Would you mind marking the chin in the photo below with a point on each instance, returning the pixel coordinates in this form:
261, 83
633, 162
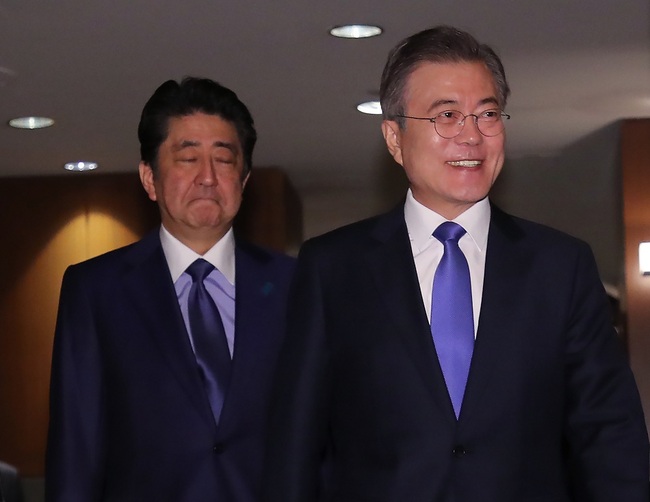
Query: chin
472, 197
208, 219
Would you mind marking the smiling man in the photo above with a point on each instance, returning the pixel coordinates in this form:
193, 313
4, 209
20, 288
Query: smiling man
164, 349
447, 351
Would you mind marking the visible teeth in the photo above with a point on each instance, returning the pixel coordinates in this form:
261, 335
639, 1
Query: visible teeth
465, 163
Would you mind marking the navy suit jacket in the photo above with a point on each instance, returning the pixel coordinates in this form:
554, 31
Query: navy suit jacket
362, 414
129, 418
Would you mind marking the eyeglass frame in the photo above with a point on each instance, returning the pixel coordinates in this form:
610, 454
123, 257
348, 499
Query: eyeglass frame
502, 115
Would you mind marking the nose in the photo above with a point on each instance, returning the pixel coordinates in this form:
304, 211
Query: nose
206, 174
470, 133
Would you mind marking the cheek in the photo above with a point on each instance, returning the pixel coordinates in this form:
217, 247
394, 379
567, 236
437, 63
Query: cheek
498, 155
231, 192
423, 148
434, 147
173, 190
497, 144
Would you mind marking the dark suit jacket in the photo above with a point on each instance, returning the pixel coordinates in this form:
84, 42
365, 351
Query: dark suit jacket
551, 411
129, 418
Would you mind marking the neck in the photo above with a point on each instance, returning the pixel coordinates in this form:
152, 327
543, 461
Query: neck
198, 241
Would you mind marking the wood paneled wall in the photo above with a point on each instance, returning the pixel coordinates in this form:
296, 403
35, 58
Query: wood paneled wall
635, 166
271, 212
50, 223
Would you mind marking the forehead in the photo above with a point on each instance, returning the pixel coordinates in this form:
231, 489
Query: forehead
201, 128
450, 82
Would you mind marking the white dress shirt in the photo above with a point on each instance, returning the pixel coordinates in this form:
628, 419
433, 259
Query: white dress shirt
421, 222
220, 283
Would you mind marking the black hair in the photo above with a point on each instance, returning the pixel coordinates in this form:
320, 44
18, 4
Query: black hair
193, 95
441, 44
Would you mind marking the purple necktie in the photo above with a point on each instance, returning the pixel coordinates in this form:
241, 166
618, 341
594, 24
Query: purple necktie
209, 337
452, 318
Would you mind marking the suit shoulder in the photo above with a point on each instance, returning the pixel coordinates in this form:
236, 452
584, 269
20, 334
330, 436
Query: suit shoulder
352, 236
107, 264
537, 233
265, 256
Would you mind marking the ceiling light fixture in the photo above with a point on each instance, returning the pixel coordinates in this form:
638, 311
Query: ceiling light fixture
370, 107
80, 166
31, 122
356, 31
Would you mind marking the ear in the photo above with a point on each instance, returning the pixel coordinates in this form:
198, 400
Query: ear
393, 137
146, 178
245, 180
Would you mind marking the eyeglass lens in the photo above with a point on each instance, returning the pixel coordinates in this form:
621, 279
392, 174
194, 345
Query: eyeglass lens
449, 124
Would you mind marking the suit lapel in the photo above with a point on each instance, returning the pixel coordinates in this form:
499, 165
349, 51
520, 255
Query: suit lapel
149, 286
256, 311
504, 287
394, 271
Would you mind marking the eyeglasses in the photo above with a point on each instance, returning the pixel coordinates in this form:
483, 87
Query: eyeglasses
450, 123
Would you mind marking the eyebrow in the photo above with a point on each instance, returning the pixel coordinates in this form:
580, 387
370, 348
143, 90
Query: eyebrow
217, 144
441, 102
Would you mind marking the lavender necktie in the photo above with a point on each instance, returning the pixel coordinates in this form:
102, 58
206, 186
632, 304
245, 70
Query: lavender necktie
209, 337
452, 319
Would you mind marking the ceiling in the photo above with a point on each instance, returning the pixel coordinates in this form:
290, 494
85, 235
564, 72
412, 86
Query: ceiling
574, 67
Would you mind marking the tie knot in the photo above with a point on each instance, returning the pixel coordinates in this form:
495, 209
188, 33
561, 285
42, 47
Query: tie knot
199, 270
449, 231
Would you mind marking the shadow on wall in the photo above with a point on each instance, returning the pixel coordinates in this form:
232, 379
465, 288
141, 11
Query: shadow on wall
353, 196
392, 183
577, 191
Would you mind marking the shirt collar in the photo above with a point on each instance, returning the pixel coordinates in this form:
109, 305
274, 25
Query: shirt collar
179, 256
422, 221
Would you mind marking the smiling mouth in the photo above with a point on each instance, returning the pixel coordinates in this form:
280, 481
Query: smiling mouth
465, 163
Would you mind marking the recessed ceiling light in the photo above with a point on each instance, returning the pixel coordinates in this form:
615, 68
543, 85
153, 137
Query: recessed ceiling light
31, 122
356, 31
80, 166
370, 107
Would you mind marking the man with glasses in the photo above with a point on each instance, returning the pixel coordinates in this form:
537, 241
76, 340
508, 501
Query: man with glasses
447, 351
